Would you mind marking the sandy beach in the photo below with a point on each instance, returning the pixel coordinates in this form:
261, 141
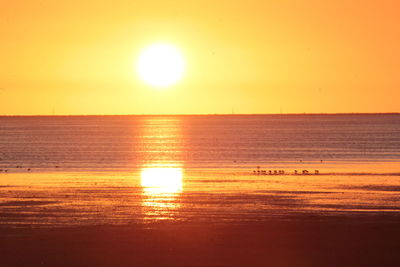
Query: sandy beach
338, 241
215, 218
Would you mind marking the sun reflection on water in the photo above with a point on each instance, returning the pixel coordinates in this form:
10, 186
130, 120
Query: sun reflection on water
162, 180
161, 190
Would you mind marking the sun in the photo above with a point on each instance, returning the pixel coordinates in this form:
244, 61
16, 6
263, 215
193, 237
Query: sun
160, 65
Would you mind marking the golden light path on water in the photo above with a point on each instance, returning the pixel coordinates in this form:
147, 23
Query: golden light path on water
162, 180
161, 175
161, 190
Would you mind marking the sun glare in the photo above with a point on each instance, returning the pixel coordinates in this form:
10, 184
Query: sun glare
160, 65
162, 180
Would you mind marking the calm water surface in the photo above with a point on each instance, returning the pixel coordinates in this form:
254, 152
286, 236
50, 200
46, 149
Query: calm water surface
128, 169
126, 142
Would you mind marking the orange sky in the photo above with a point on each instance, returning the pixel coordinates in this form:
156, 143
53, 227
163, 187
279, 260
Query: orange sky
78, 57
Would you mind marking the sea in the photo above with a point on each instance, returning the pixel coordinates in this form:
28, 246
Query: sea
85, 170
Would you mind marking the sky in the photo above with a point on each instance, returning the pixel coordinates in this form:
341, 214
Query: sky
305, 56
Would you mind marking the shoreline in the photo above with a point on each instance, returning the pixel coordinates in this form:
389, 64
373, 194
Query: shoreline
327, 167
62, 199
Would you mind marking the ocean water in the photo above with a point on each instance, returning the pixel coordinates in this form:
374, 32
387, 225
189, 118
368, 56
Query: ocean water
129, 142
85, 170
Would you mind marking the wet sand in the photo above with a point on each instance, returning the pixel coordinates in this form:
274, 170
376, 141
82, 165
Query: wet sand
298, 241
209, 219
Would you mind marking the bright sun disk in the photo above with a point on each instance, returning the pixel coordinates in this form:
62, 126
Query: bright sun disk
160, 65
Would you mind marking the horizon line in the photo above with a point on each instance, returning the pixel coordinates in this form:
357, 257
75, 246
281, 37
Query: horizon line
201, 114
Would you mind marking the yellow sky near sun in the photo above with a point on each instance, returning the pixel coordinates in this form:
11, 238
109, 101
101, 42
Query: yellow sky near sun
78, 57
